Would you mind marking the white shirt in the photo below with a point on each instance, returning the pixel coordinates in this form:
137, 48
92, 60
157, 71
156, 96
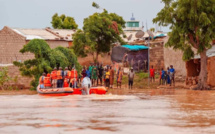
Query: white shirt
85, 82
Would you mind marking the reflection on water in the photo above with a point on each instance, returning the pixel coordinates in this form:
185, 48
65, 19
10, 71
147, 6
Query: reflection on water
152, 111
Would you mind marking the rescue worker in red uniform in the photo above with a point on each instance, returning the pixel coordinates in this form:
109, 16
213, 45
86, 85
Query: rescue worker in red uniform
54, 78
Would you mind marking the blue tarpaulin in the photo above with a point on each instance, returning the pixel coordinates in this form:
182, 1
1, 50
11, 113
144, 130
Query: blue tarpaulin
160, 35
135, 47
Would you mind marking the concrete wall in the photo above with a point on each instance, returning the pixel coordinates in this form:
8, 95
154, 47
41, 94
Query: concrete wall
56, 43
174, 57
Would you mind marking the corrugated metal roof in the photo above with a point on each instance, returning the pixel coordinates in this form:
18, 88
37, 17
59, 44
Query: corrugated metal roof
210, 53
66, 34
46, 34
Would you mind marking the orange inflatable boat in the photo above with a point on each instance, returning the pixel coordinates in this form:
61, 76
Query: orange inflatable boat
70, 91
55, 91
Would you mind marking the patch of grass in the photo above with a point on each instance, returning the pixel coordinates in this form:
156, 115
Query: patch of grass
140, 81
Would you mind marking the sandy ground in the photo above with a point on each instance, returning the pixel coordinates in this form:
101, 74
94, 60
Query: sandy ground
18, 92
138, 87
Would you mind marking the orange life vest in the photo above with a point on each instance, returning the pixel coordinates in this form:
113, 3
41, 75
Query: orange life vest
40, 80
47, 82
68, 75
74, 74
73, 81
54, 75
59, 75
66, 83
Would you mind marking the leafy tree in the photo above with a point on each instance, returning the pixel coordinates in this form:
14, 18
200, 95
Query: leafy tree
100, 31
71, 57
63, 22
152, 29
45, 59
192, 25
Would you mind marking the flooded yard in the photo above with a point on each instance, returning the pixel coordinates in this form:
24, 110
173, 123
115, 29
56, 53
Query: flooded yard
132, 112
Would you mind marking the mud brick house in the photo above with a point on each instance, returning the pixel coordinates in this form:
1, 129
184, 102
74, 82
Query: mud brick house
13, 39
193, 68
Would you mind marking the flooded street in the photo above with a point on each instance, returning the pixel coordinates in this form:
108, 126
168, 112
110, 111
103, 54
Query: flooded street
153, 111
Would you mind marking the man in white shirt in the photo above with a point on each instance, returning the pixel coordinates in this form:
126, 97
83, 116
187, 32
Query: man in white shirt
86, 84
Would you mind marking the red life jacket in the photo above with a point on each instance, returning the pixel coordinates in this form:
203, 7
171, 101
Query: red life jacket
74, 73
54, 75
47, 82
66, 83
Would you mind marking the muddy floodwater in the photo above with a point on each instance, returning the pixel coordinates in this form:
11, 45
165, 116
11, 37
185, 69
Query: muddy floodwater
132, 112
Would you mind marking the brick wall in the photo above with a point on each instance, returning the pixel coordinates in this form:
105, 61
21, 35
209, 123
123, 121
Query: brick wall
10, 44
104, 58
157, 56
13, 72
211, 72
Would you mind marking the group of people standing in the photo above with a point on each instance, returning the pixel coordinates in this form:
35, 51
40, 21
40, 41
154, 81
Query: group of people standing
107, 74
59, 78
166, 77
95, 73
99, 74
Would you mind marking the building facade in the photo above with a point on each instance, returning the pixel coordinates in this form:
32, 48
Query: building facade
13, 39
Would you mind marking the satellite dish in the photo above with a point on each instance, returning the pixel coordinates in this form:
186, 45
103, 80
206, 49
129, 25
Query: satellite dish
150, 34
129, 37
139, 34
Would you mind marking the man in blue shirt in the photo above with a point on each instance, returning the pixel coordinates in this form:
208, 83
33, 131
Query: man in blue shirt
172, 75
88, 72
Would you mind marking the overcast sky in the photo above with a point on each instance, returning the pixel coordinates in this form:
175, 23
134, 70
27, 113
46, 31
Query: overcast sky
38, 13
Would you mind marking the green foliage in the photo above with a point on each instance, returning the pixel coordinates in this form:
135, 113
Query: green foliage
4, 78
45, 59
100, 31
191, 22
80, 44
95, 5
63, 22
152, 29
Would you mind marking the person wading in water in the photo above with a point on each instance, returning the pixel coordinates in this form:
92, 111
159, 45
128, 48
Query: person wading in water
86, 84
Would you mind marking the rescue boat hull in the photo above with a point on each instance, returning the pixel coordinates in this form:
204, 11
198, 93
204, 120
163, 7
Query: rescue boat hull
70, 91
55, 91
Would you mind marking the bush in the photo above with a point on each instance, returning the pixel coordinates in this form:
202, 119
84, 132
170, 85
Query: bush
4, 78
